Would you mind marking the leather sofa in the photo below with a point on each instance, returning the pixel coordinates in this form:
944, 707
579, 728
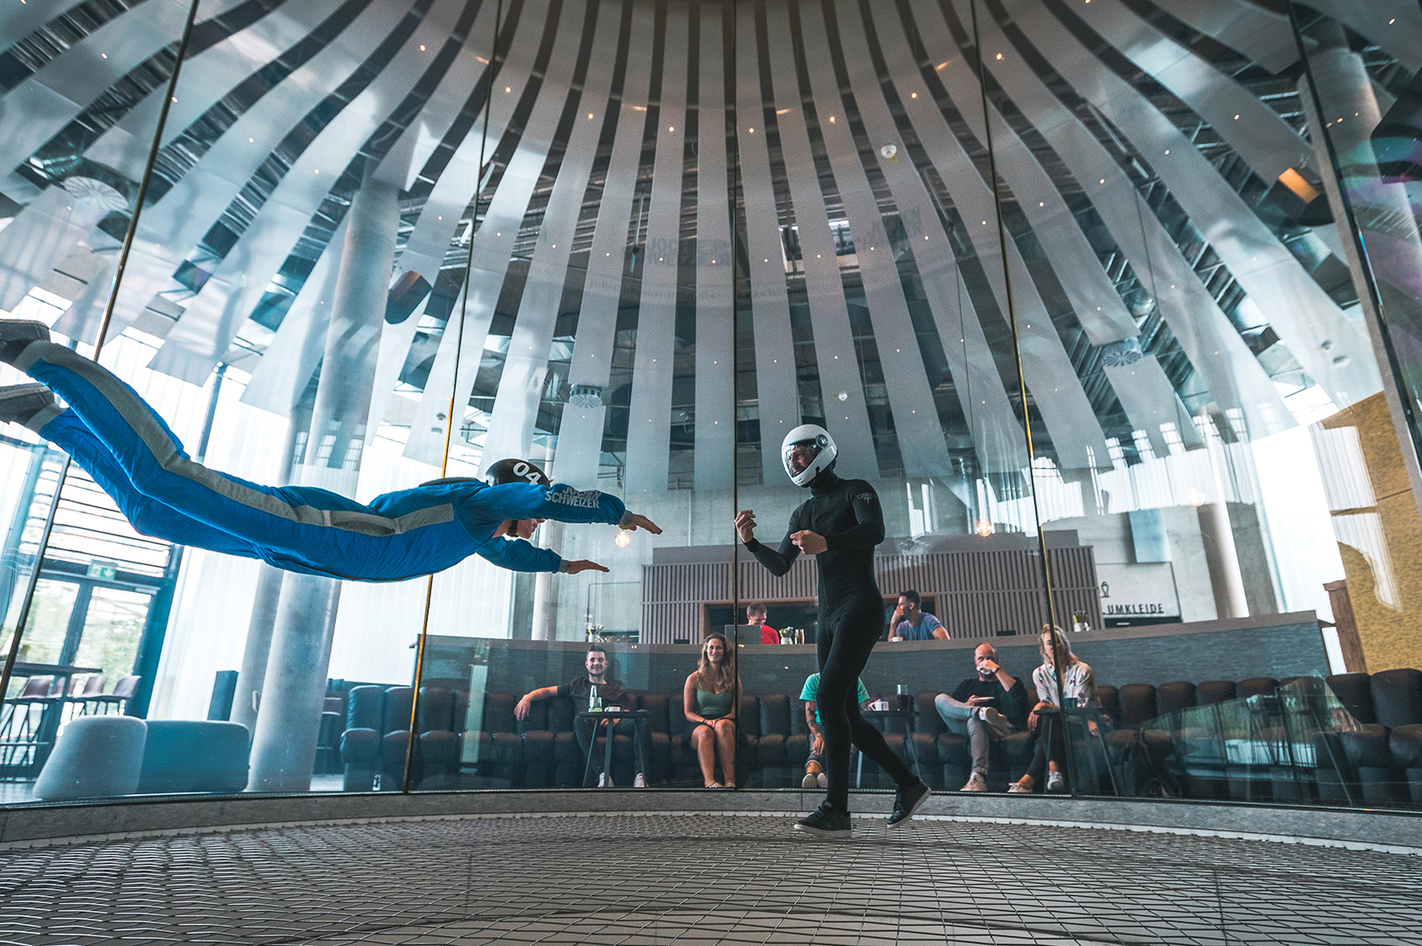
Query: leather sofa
542, 751
1217, 737
1379, 762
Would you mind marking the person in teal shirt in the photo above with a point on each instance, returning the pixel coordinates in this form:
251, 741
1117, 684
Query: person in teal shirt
815, 765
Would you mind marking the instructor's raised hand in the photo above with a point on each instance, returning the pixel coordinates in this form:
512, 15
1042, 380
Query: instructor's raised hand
583, 565
745, 525
635, 522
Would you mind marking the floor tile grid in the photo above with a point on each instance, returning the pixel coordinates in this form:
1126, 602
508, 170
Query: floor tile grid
757, 849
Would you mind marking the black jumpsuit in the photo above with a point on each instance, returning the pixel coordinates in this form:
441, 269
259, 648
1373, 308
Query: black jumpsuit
847, 514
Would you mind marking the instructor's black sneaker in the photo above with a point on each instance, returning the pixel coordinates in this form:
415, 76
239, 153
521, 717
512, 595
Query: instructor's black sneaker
825, 822
907, 801
22, 403
16, 334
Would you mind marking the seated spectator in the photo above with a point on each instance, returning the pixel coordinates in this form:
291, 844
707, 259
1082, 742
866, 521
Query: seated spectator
815, 765
755, 614
611, 694
983, 708
910, 623
709, 698
1079, 684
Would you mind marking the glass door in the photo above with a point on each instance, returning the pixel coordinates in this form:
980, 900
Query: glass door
111, 630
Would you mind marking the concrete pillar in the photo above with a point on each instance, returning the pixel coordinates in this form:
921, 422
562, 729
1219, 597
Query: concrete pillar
545, 588
1345, 91
288, 723
267, 597
1221, 556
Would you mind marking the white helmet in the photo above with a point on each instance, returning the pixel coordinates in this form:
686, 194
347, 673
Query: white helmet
820, 442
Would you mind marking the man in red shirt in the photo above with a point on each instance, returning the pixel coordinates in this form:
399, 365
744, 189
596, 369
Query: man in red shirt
755, 614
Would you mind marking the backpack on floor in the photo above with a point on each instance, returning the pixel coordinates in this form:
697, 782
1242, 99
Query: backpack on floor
1144, 774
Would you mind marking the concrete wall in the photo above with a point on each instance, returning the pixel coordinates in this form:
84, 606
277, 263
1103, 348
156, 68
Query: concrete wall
1109, 535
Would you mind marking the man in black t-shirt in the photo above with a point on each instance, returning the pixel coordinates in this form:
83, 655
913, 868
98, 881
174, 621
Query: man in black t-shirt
985, 707
612, 694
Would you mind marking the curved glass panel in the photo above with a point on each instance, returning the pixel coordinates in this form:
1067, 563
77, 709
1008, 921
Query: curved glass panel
83, 90
1107, 308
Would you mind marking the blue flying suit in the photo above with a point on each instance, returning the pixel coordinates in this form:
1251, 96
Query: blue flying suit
131, 453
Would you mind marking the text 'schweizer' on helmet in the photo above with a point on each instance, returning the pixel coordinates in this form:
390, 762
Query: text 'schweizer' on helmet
514, 470
822, 446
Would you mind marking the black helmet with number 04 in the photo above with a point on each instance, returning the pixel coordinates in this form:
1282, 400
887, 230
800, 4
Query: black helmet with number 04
515, 471
822, 452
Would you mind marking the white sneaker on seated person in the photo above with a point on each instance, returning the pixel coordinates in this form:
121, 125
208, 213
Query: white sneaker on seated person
640, 781
1056, 782
976, 783
996, 723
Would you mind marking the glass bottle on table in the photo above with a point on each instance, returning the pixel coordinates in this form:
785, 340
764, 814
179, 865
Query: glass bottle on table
594, 700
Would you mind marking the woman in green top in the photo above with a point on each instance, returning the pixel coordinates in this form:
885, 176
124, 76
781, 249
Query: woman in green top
710, 701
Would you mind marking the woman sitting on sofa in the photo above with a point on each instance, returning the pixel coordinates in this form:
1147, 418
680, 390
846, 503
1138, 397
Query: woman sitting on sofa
710, 698
1044, 720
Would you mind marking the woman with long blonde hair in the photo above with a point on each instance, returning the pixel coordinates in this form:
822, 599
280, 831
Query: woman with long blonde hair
1079, 685
709, 699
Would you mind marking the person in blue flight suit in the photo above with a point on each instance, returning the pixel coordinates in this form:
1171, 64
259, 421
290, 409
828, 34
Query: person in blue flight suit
110, 431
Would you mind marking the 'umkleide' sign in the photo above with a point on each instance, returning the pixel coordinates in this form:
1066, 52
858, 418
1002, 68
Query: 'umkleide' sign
1137, 590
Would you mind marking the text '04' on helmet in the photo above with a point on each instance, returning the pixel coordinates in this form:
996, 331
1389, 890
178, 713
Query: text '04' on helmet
822, 452
515, 471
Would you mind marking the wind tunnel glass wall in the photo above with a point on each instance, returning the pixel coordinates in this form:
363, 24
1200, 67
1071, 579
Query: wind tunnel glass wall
1109, 298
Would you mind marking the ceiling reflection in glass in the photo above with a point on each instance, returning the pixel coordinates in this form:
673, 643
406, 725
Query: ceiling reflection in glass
674, 230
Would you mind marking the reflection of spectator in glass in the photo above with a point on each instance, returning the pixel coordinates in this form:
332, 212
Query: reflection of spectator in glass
709, 698
911, 623
1079, 685
611, 693
756, 614
815, 776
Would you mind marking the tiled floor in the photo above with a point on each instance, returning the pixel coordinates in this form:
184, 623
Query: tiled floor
687, 879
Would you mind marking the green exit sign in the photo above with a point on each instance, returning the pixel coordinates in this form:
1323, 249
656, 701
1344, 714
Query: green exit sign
103, 571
